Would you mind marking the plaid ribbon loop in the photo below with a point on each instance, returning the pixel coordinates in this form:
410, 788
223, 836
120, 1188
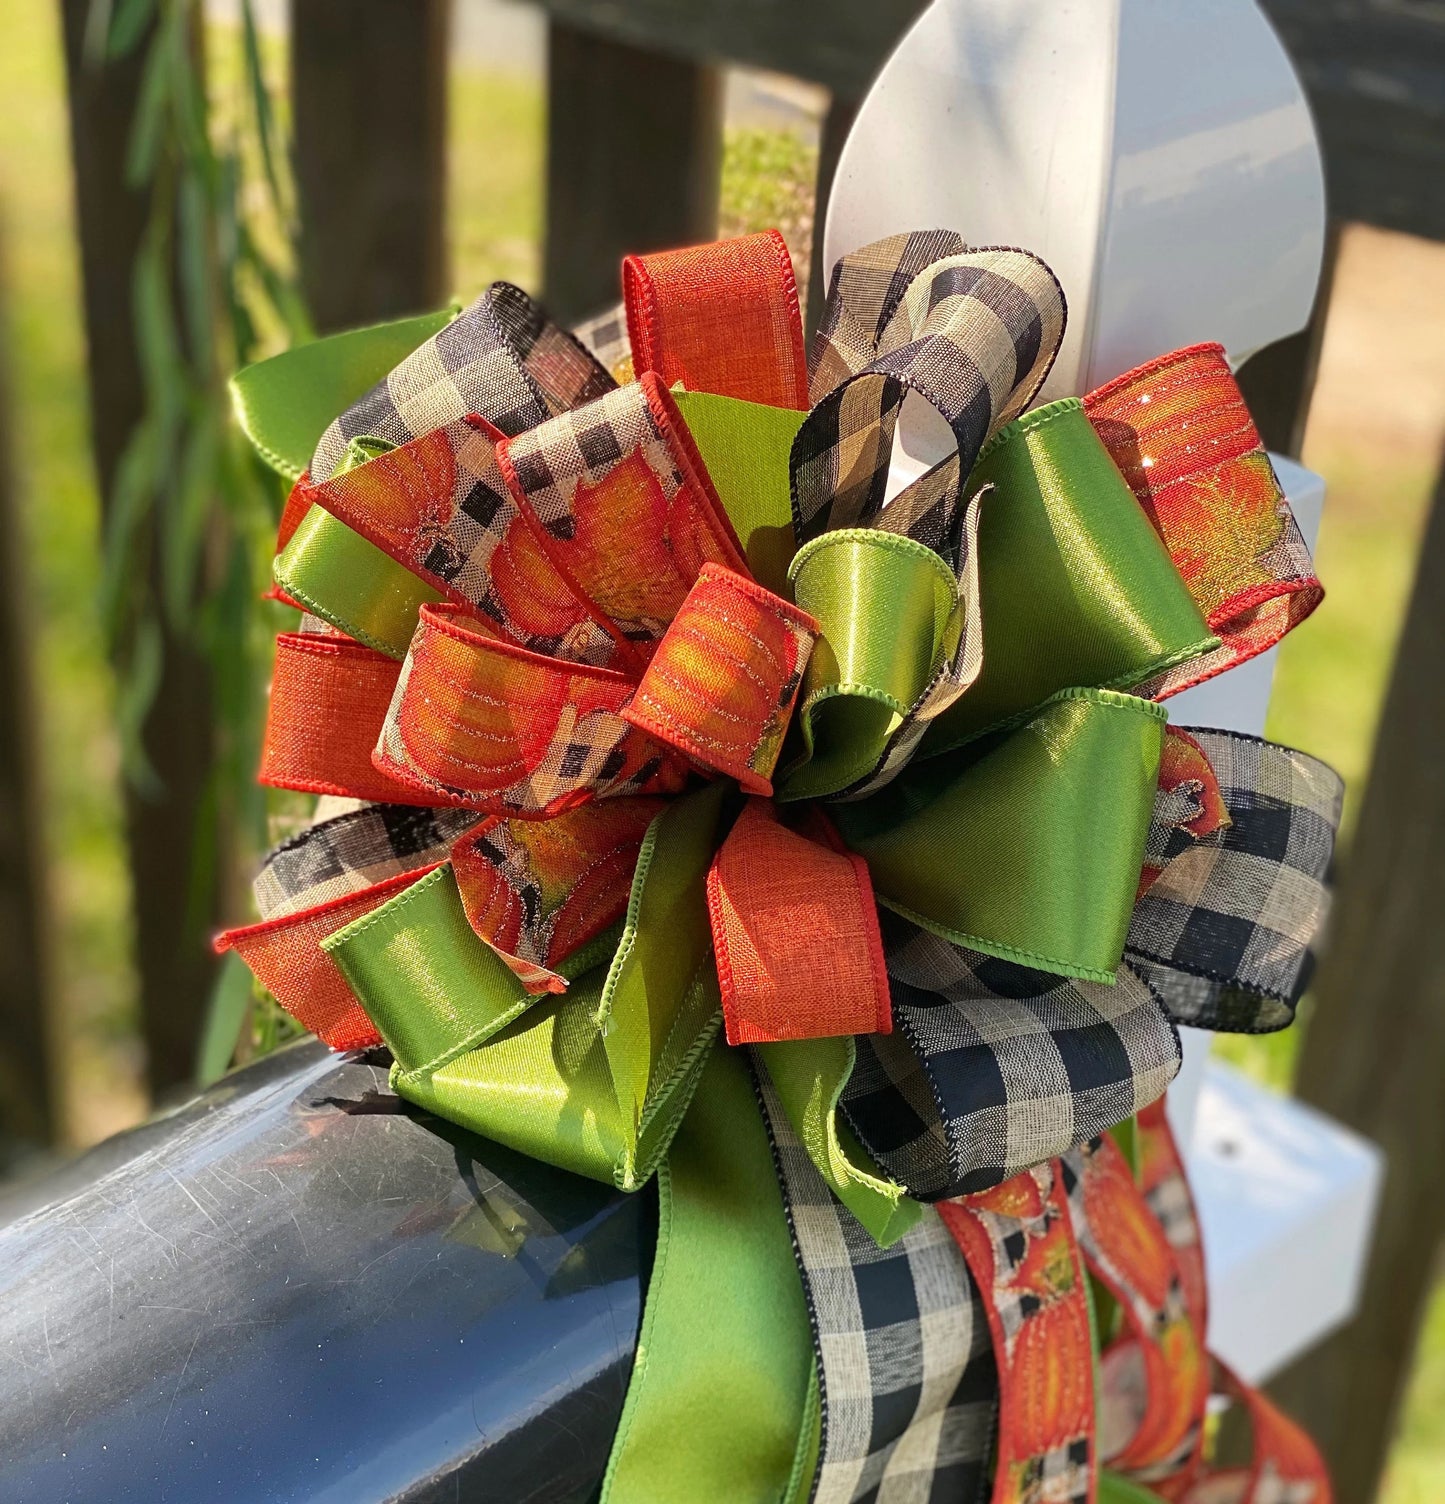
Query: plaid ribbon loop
972, 332
993, 1066
909, 1385
502, 359
958, 943
1225, 934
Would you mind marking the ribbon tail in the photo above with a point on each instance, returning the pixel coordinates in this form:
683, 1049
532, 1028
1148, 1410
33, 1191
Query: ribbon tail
718, 1409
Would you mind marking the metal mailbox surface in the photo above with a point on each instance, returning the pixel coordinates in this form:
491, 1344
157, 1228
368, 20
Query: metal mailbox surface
295, 1289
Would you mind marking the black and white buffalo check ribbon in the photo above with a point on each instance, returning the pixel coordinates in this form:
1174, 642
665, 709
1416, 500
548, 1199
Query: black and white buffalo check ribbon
972, 331
502, 358
1225, 935
908, 1384
354, 850
993, 1067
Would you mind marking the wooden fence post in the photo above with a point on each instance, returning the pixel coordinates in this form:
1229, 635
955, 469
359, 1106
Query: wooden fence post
368, 90
1374, 1052
29, 1116
165, 831
836, 124
634, 163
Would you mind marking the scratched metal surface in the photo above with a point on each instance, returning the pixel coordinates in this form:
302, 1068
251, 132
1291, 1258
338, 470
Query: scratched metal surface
294, 1290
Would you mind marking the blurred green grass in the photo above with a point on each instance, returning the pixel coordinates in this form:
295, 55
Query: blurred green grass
44, 345
1331, 676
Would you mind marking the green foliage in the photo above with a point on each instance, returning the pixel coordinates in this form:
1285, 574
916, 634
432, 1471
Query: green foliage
230, 1007
192, 512
767, 182
55, 491
1416, 1471
240, 1009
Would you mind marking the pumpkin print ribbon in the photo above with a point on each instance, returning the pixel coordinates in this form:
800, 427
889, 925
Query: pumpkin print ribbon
1131, 1428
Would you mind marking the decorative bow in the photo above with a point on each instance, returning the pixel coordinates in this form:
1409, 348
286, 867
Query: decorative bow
668, 715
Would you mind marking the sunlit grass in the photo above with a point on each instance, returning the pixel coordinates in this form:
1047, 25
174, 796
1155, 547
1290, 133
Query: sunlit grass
494, 181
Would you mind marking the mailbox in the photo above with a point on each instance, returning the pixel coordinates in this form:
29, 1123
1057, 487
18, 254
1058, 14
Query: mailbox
299, 1289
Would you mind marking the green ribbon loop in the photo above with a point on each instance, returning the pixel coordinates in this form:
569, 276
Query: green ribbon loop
720, 1408
347, 580
1031, 848
432, 988
809, 1076
286, 403
889, 612
660, 1008
746, 447
1115, 1488
1076, 587
594, 1080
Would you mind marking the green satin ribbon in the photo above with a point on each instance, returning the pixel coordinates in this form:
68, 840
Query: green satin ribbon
1114, 1488
286, 403
665, 955
594, 1080
348, 581
809, 1076
1031, 848
889, 613
1076, 587
723, 1399
746, 447
432, 988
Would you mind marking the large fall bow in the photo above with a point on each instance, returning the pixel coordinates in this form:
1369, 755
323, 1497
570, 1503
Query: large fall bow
655, 711
558, 629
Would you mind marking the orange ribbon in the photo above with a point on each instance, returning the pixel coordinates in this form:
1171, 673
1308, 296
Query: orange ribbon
1027, 1243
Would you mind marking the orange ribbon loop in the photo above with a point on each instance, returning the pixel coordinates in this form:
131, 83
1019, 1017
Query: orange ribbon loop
329, 698
286, 957
1179, 431
723, 682
479, 721
795, 933
720, 318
